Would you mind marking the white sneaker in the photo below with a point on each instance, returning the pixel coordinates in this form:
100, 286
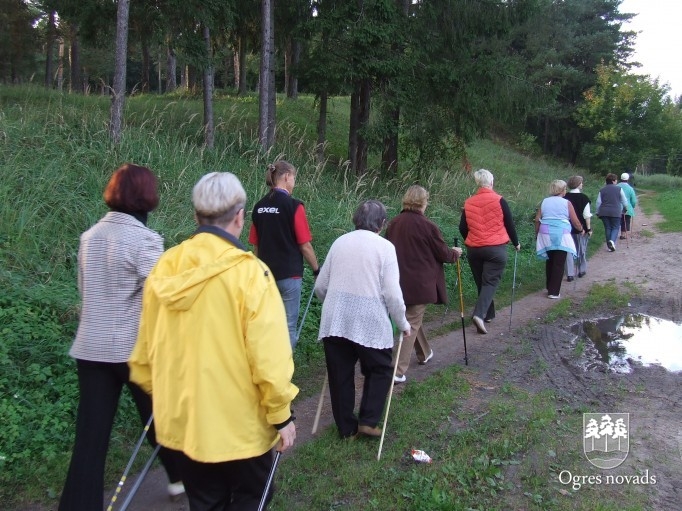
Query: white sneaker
478, 323
176, 490
399, 379
554, 297
423, 362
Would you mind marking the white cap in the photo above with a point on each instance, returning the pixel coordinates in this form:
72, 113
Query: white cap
624, 176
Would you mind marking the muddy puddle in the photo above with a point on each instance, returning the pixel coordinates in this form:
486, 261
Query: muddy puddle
618, 343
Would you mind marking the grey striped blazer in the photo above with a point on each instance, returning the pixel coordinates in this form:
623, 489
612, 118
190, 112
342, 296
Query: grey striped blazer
114, 258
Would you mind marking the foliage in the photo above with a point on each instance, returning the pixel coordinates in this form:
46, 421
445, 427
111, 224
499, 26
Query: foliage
631, 120
18, 41
562, 44
440, 72
37, 384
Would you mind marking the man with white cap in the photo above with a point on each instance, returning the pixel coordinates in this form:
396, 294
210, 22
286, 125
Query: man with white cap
631, 196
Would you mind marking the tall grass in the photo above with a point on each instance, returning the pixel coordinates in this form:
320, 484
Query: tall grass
662, 195
55, 158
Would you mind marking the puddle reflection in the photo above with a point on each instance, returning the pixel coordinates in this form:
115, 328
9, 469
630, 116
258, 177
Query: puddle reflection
613, 342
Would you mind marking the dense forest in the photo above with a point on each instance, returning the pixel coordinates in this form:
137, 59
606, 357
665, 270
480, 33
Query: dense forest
424, 77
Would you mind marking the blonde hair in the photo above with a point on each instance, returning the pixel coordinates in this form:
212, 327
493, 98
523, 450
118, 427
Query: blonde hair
557, 187
276, 170
217, 198
484, 178
416, 197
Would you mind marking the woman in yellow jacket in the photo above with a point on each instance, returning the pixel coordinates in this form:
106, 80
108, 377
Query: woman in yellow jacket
213, 350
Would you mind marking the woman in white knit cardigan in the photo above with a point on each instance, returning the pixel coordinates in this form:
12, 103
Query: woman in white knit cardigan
359, 285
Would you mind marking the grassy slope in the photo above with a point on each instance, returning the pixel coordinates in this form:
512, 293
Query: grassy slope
55, 161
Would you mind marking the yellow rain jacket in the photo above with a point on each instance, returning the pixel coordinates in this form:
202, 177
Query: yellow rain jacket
213, 349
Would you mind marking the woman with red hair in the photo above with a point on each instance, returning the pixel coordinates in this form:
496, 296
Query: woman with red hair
114, 258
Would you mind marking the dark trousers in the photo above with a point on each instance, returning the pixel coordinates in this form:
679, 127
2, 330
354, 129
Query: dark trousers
227, 486
625, 221
341, 356
554, 270
100, 385
487, 266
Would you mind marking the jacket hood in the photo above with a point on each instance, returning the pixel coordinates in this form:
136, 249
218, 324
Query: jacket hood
184, 271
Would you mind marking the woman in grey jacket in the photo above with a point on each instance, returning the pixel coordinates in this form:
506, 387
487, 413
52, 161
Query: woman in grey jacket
611, 202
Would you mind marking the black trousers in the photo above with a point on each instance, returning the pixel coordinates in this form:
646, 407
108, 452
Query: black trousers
554, 270
100, 385
375, 364
227, 486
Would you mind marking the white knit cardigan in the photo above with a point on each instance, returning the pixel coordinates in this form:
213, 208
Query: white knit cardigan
359, 285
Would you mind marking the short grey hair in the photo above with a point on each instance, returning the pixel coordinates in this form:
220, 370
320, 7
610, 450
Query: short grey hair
484, 178
370, 216
217, 198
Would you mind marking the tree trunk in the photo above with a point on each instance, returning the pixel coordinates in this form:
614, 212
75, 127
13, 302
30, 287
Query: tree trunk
359, 118
321, 127
159, 76
60, 66
184, 80
353, 126
49, 50
192, 78
294, 53
364, 107
389, 156
171, 70
236, 65
266, 86
209, 128
146, 65
287, 65
119, 86
242, 67
76, 84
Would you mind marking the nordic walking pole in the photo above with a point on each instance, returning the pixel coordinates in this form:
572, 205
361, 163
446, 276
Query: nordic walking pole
461, 307
576, 261
271, 476
136, 450
511, 306
319, 404
305, 313
140, 478
390, 395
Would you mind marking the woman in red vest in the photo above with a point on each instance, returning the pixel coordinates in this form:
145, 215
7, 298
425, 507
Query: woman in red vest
486, 226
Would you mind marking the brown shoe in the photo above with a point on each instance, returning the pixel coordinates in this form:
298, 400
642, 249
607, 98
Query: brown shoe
369, 431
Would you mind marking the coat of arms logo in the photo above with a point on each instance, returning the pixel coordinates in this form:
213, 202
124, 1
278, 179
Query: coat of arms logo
606, 439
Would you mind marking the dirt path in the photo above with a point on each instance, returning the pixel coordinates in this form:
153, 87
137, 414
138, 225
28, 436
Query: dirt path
650, 261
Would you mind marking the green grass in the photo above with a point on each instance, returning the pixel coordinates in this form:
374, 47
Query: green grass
660, 194
609, 294
55, 158
506, 453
